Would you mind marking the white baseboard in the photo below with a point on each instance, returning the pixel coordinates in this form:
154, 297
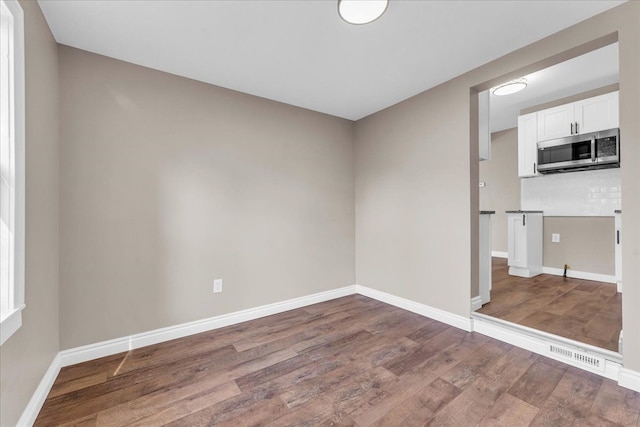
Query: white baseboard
118, 345
580, 274
499, 254
34, 406
476, 303
451, 319
629, 379
619, 286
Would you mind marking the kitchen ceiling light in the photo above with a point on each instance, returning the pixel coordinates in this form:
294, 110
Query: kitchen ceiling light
361, 11
511, 87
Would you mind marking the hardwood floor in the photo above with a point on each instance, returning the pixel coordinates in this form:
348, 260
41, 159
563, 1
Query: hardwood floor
350, 361
582, 310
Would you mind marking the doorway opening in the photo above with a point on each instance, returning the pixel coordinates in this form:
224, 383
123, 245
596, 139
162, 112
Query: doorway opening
572, 289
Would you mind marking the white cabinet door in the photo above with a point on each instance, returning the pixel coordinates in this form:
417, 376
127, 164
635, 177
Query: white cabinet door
556, 122
525, 243
517, 245
485, 258
527, 145
589, 115
618, 250
597, 113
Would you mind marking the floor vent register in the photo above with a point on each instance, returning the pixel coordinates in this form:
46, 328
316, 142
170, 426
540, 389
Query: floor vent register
578, 357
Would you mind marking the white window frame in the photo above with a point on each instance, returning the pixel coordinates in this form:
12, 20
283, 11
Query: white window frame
11, 313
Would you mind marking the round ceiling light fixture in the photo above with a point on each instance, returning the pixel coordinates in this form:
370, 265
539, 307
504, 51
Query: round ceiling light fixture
361, 11
510, 87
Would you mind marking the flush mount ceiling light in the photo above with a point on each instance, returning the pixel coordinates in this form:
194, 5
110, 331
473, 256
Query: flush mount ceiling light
361, 11
510, 87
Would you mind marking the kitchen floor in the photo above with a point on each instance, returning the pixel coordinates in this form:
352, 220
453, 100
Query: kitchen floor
581, 310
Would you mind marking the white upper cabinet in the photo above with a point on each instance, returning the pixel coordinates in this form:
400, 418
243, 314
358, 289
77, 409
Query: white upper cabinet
556, 122
597, 113
527, 145
589, 115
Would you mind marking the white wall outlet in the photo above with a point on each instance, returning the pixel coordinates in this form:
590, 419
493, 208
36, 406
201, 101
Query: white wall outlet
483, 184
555, 238
217, 286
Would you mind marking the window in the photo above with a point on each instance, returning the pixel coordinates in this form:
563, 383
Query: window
11, 168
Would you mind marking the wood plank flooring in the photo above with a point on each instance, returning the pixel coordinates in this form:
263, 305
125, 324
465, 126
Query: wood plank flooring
582, 310
350, 361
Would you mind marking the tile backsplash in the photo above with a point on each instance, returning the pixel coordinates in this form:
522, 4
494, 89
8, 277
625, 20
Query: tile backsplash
586, 193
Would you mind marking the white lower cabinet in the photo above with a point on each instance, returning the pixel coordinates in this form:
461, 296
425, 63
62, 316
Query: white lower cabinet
525, 243
618, 250
485, 256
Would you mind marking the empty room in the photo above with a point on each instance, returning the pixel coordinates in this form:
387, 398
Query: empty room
320, 212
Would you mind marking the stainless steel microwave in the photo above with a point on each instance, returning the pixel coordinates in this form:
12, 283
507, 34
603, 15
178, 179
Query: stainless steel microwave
597, 150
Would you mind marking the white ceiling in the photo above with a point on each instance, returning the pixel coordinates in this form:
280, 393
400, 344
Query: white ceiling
590, 71
300, 52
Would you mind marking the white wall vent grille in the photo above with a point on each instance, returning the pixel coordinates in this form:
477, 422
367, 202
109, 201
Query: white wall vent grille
579, 357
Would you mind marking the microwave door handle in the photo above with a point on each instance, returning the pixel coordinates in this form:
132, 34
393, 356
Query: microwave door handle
593, 148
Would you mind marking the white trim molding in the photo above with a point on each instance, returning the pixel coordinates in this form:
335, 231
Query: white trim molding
499, 254
34, 406
11, 324
13, 317
119, 345
607, 278
476, 303
451, 319
629, 379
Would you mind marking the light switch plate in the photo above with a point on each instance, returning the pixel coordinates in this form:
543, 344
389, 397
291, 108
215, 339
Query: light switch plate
217, 286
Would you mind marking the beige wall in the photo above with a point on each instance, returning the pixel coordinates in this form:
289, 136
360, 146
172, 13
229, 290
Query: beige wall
25, 357
577, 97
586, 243
413, 199
168, 183
416, 225
502, 189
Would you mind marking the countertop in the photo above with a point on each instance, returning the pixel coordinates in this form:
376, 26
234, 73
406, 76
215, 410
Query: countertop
487, 212
520, 212
618, 211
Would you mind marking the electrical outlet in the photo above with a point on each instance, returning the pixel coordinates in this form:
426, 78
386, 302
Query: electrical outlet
217, 286
555, 238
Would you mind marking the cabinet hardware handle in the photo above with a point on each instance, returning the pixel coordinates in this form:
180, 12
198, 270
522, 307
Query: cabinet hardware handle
524, 221
571, 128
576, 128
593, 148
618, 237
